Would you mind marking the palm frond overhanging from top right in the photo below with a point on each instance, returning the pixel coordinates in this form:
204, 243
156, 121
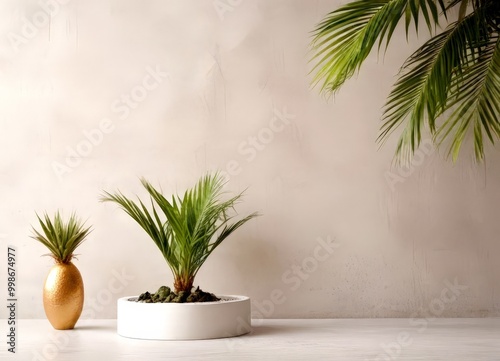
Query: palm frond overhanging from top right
455, 75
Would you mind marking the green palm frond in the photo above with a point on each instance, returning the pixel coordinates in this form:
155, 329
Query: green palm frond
421, 94
475, 96
455, 72
60, 237
447, 72
345, 38
189, 228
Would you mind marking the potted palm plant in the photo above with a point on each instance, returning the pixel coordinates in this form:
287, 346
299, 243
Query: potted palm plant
186, 229
63, 288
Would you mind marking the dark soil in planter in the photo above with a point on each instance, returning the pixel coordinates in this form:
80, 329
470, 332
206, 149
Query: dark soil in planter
166, 295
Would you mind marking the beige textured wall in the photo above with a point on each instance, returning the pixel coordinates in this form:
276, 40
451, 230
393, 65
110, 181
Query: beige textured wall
107, 91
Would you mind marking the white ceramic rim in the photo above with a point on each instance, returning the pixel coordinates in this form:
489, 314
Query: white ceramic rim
228, 317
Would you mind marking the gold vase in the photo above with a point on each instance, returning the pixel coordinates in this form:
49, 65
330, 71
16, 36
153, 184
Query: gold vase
63, 296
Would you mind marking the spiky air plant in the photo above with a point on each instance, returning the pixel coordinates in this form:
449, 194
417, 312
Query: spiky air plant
186, 229
63, 291
60, 237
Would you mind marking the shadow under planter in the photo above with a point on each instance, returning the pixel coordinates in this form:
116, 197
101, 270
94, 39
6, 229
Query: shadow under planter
228, 317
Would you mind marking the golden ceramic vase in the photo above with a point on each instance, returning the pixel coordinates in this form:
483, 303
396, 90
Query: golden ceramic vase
63, 296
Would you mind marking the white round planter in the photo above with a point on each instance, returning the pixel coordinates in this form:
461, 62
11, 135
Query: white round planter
184, 321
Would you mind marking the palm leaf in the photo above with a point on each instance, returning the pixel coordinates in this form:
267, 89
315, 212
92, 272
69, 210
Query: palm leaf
187, 226
347, 35
455, 72
421, 94
475, 96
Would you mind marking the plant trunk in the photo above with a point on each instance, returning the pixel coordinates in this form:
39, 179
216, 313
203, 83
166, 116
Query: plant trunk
183, 284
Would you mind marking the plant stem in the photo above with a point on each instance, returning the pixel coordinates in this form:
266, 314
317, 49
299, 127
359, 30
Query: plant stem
183, 283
